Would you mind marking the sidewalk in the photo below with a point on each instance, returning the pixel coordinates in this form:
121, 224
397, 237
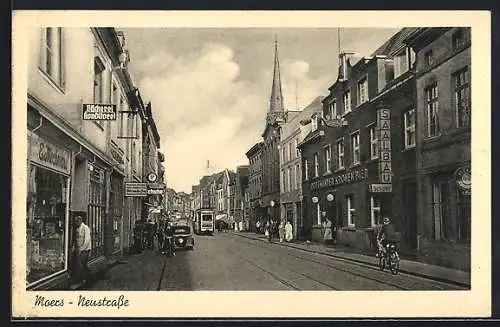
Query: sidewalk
438, 273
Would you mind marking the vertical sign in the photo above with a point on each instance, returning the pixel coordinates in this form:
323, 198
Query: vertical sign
384, 133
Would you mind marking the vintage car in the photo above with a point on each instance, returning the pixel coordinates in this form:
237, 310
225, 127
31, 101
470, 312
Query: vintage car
183, 236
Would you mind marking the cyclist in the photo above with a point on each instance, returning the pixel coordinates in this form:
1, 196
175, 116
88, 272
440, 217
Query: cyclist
386, 235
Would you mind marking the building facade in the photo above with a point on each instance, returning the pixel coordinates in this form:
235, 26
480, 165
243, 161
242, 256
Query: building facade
239, 186
254, 191
359, 158
290, 165
78, 166
443, 68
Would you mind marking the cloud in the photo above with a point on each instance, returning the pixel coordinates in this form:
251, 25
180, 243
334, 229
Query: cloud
206, 111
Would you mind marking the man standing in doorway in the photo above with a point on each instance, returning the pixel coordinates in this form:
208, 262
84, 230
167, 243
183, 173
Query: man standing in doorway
81, 250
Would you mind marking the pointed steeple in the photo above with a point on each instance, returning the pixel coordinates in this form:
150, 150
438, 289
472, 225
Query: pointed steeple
276, 101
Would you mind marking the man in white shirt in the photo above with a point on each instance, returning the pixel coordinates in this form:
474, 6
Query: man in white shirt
82, 249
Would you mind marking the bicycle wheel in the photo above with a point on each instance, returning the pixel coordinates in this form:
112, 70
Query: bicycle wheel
381, 263
394, 263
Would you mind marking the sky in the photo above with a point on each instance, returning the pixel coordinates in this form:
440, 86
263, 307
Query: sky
210, 88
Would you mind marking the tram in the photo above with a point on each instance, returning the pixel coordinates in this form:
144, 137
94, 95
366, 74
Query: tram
204, 221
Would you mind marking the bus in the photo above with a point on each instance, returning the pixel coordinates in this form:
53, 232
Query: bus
204, 221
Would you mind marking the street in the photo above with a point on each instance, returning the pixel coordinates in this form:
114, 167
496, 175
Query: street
227, 261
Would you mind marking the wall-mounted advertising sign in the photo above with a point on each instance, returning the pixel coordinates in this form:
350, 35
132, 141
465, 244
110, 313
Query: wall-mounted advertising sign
384, 136
155, 188
136, 189
380, 188
463, 179
97, 111
351, 176
48, 154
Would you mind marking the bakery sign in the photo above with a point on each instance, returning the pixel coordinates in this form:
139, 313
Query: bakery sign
48, 154
384, 137
97, 111
351, 176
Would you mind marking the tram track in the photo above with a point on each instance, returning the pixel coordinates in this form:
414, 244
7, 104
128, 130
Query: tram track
398, 282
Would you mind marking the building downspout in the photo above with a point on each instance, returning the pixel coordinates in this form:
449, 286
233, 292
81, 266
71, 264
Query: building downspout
39, 125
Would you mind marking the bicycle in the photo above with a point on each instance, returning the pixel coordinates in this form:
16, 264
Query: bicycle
390, 258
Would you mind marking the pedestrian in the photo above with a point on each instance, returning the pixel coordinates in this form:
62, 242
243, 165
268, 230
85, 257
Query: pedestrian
240, 227
257, 226
161, 238
288, 231
281, 231
81, 250
138, 237
327, 236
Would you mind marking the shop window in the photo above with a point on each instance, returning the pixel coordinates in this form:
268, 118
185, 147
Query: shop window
462, 98
409, 128
373, 142
351, 211
441, 210
355, 154
51, 55
347, 102
316, 165
362, 91
46, 223
340, 154
432, 111
375, 206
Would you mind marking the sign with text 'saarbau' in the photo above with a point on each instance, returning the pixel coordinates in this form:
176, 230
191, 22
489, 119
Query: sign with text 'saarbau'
99, 111
384, 137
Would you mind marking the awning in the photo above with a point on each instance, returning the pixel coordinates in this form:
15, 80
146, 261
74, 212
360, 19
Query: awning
221, 217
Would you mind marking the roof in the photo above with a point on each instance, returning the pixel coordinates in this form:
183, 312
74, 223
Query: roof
395, 43
254, 149
294, 124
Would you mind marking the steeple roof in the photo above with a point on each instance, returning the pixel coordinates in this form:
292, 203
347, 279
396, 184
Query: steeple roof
276, 101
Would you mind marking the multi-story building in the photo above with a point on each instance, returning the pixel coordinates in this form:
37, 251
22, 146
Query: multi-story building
290, 165
363, 167
78, 166
270, 147
443, 136
254, 156
239, 185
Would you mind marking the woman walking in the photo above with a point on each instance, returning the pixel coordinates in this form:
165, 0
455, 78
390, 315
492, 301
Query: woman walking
288, 231
281, 231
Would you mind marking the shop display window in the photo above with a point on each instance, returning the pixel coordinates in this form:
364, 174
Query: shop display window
46, 224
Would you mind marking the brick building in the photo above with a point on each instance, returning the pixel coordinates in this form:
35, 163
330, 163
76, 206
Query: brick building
254, 191
354, 172
443, 66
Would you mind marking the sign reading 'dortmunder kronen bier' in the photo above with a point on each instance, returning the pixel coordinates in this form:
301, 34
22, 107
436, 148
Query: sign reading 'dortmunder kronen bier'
351, 176
384, 136
97, 111
136, 189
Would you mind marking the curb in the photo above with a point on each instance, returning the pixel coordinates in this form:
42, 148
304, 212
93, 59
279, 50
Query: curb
409, 272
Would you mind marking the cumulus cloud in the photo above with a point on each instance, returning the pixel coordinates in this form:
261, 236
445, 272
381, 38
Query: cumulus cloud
205, 111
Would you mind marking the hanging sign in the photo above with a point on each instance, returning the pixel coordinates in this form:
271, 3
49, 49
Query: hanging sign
384, 137
380, 188
133, 189
156, 188
97, 111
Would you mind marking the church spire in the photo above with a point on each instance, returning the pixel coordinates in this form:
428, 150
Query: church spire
276, 101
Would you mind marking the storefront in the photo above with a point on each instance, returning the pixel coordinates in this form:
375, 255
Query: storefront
47, 216
115, 235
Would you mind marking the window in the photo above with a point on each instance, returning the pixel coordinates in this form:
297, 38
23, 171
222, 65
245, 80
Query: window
332, 110
297, 151
441, 209
350, 211
98, 80
291, 183
290, 150
51, 55
457, 40
362, 91
283, 154
123, 117
297, 176
373, 142
355, 148
375, 210
340, 154
429, 59
283, 177
409, 121
96, 209
316, 165
314, 121
432, 110
462, 98
306, 169
328, 158
347, 102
